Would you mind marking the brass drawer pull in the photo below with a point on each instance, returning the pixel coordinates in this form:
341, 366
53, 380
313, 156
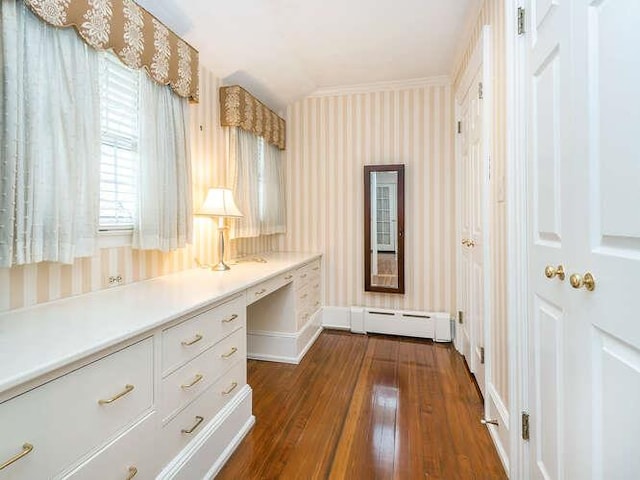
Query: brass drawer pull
127, 389
26, 450
227, 355
197, 378
288, 277
199, 420
261, 291
230, 389
196, 339
230, 319
133, 471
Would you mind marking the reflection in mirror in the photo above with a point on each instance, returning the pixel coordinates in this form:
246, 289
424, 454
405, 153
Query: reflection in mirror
384, 228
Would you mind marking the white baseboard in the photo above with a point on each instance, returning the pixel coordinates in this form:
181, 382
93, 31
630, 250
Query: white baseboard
336, 318
306, 342
222, 459
357, 320
216, 442
500, 434
283, 347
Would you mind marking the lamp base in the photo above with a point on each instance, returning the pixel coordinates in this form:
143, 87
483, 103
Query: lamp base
220, 267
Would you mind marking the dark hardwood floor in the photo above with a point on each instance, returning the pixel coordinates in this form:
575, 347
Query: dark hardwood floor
366, 407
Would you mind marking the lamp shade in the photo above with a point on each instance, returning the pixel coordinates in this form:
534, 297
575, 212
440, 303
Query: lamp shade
220, 203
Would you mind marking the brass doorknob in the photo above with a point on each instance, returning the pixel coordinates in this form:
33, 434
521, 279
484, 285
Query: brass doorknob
551, 272
471, 243
464, 241
587, 281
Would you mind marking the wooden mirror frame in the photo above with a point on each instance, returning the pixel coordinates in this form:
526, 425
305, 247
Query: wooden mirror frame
368, 169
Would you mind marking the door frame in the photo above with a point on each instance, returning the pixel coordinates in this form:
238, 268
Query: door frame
482, 54
516, 179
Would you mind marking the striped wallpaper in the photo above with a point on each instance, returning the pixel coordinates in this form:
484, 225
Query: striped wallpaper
32, 284
492, 13
330, 138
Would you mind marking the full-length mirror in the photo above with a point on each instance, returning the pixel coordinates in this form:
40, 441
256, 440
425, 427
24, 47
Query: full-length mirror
384, 228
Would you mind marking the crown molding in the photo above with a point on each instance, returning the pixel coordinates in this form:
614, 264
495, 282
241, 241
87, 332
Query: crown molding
470, 21
441, 80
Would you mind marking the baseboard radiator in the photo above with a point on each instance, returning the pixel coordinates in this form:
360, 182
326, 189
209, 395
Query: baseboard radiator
434, 325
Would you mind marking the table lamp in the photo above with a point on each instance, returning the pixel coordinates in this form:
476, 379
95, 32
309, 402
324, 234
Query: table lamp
219, 203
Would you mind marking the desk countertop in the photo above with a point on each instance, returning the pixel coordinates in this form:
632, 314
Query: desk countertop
38, 340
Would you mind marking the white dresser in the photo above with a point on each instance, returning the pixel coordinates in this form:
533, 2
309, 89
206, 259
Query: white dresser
147, 380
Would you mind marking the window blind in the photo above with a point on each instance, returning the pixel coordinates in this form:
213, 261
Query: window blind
119, 94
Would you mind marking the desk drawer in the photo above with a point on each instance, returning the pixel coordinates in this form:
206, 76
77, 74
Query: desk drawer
188, 339
63, 419
263, 289
189, 422
185, 384
133, 453
308, 274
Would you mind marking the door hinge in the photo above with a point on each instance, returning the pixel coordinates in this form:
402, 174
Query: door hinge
480, 92
525, 426
459, 126
460, 317
482, 355
521, 30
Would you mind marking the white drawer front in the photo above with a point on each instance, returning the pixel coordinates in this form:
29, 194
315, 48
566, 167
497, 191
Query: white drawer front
63, 419
308, 297
188, 339
288, 277
308, 274
263, 289
189, 422
132, 453
186, 383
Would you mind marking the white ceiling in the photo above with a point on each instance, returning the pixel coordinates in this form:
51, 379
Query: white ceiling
282, 50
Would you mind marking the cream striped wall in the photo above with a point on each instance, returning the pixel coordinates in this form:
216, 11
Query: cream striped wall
32, 284
330, 138
492, 13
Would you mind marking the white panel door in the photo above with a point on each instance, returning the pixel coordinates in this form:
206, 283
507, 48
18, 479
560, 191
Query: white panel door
464, 255
475, 245
549, 191
585, 194
607, 165
472, 180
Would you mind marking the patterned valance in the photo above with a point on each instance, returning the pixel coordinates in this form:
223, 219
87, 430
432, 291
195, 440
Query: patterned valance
134, 35
238, 108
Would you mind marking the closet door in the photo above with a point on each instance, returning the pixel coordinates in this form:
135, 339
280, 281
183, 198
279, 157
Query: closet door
606, 165
473, 182
585, 330
551, 236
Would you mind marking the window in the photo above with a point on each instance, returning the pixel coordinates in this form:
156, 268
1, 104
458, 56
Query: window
119, 96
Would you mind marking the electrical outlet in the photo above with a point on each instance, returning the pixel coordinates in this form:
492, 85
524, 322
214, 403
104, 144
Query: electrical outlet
115, 280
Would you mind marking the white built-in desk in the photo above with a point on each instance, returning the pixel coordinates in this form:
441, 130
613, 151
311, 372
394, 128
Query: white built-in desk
148, 380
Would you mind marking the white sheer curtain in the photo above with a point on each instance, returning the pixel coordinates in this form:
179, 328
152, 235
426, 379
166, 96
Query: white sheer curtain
246, 153
272, 204
164, 176
257, 174
49, 141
